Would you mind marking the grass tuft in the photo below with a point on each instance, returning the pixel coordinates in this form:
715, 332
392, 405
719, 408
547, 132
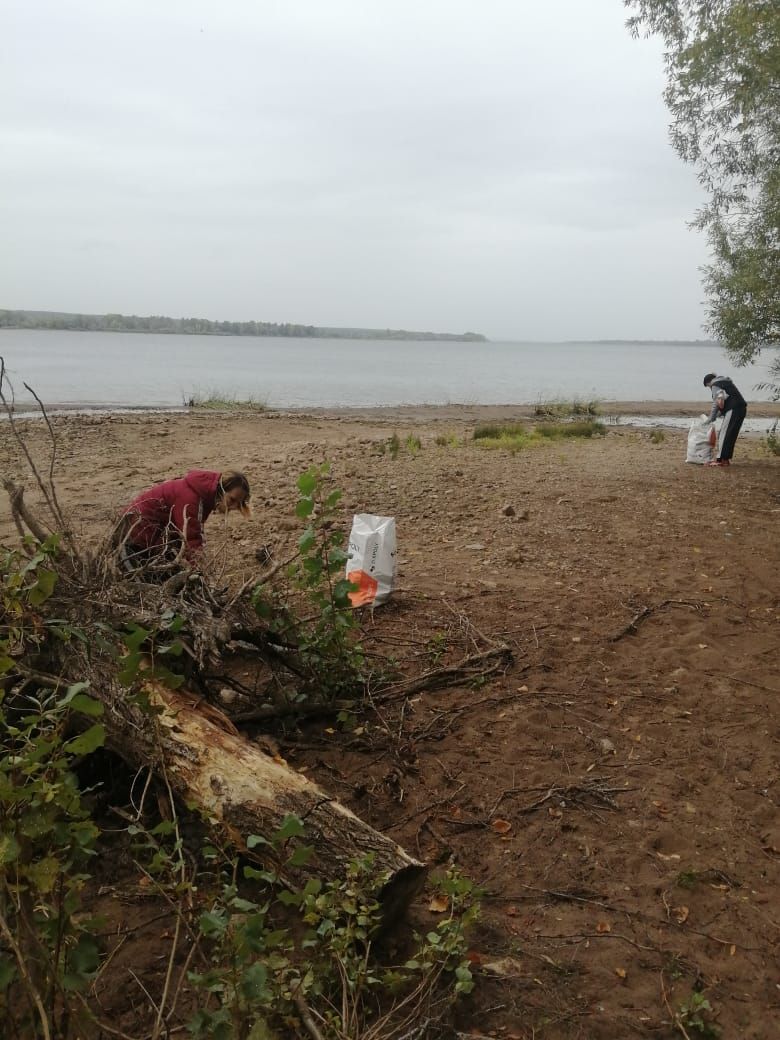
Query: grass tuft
494, 431
515, 436
216, 401
566, 409
447, 440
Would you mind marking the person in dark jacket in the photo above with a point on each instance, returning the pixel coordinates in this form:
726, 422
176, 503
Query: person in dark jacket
728, 404
165, 522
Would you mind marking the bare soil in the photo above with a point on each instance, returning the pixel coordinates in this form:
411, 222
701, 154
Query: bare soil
615, 791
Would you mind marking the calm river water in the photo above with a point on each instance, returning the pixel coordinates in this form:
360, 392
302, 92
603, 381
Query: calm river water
115, 370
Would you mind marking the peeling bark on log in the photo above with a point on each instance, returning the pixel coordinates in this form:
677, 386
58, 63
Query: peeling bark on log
244, 791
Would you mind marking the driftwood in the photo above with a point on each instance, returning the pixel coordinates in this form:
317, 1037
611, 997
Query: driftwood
244, 791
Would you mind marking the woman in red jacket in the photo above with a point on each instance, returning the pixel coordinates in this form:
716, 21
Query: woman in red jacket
166, 521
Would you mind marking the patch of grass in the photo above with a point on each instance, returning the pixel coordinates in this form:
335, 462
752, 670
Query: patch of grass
687, 878
494, 431
394, 446
657, 437
566, 409
583, 428
217, 401
447, 440
413, 444
515, 436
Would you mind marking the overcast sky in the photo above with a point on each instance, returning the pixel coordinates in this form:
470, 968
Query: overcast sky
493, 165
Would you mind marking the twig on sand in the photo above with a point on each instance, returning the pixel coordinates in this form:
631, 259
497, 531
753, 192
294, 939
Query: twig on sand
675, 1017
744, 682
467, 668
631, 627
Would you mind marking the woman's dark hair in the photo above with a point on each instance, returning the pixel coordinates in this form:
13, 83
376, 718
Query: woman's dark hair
709, 377
231, 479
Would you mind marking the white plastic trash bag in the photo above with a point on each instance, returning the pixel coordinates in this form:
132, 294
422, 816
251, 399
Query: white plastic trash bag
702, 439
372, 559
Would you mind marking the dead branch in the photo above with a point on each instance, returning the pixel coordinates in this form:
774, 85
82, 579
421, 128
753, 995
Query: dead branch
591, 788
47, 492
631, 627
21, 514
52, 460
744, 682
466, 669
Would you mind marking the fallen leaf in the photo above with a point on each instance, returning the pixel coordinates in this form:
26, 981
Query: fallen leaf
439, 903
522, 689
329, 729
666, 859
662, 808
702, 646
732, 950
501, 826
603, 926
511, 911
555, 813
620, 972
474, 957
681, 913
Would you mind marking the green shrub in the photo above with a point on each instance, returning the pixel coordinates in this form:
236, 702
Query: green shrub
326, 637
286, 953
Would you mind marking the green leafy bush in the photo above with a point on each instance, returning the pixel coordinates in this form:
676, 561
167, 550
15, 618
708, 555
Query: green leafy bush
283, 955
326, 636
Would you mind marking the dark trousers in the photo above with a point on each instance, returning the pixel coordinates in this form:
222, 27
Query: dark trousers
729, 431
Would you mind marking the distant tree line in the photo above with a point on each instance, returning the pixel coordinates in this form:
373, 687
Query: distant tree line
204, 327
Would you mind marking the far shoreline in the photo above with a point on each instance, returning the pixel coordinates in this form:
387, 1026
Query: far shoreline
609, 411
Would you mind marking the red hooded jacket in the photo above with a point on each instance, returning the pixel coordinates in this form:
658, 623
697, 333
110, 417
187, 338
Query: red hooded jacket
174, 511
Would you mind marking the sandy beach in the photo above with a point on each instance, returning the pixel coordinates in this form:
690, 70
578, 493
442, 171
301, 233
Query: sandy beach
632, 746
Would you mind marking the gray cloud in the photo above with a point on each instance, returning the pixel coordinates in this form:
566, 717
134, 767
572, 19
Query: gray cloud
500, 166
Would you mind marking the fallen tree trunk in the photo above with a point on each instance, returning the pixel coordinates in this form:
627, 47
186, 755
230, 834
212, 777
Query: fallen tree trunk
244, 791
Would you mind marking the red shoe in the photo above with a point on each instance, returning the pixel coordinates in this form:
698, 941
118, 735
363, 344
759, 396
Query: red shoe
719, 462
